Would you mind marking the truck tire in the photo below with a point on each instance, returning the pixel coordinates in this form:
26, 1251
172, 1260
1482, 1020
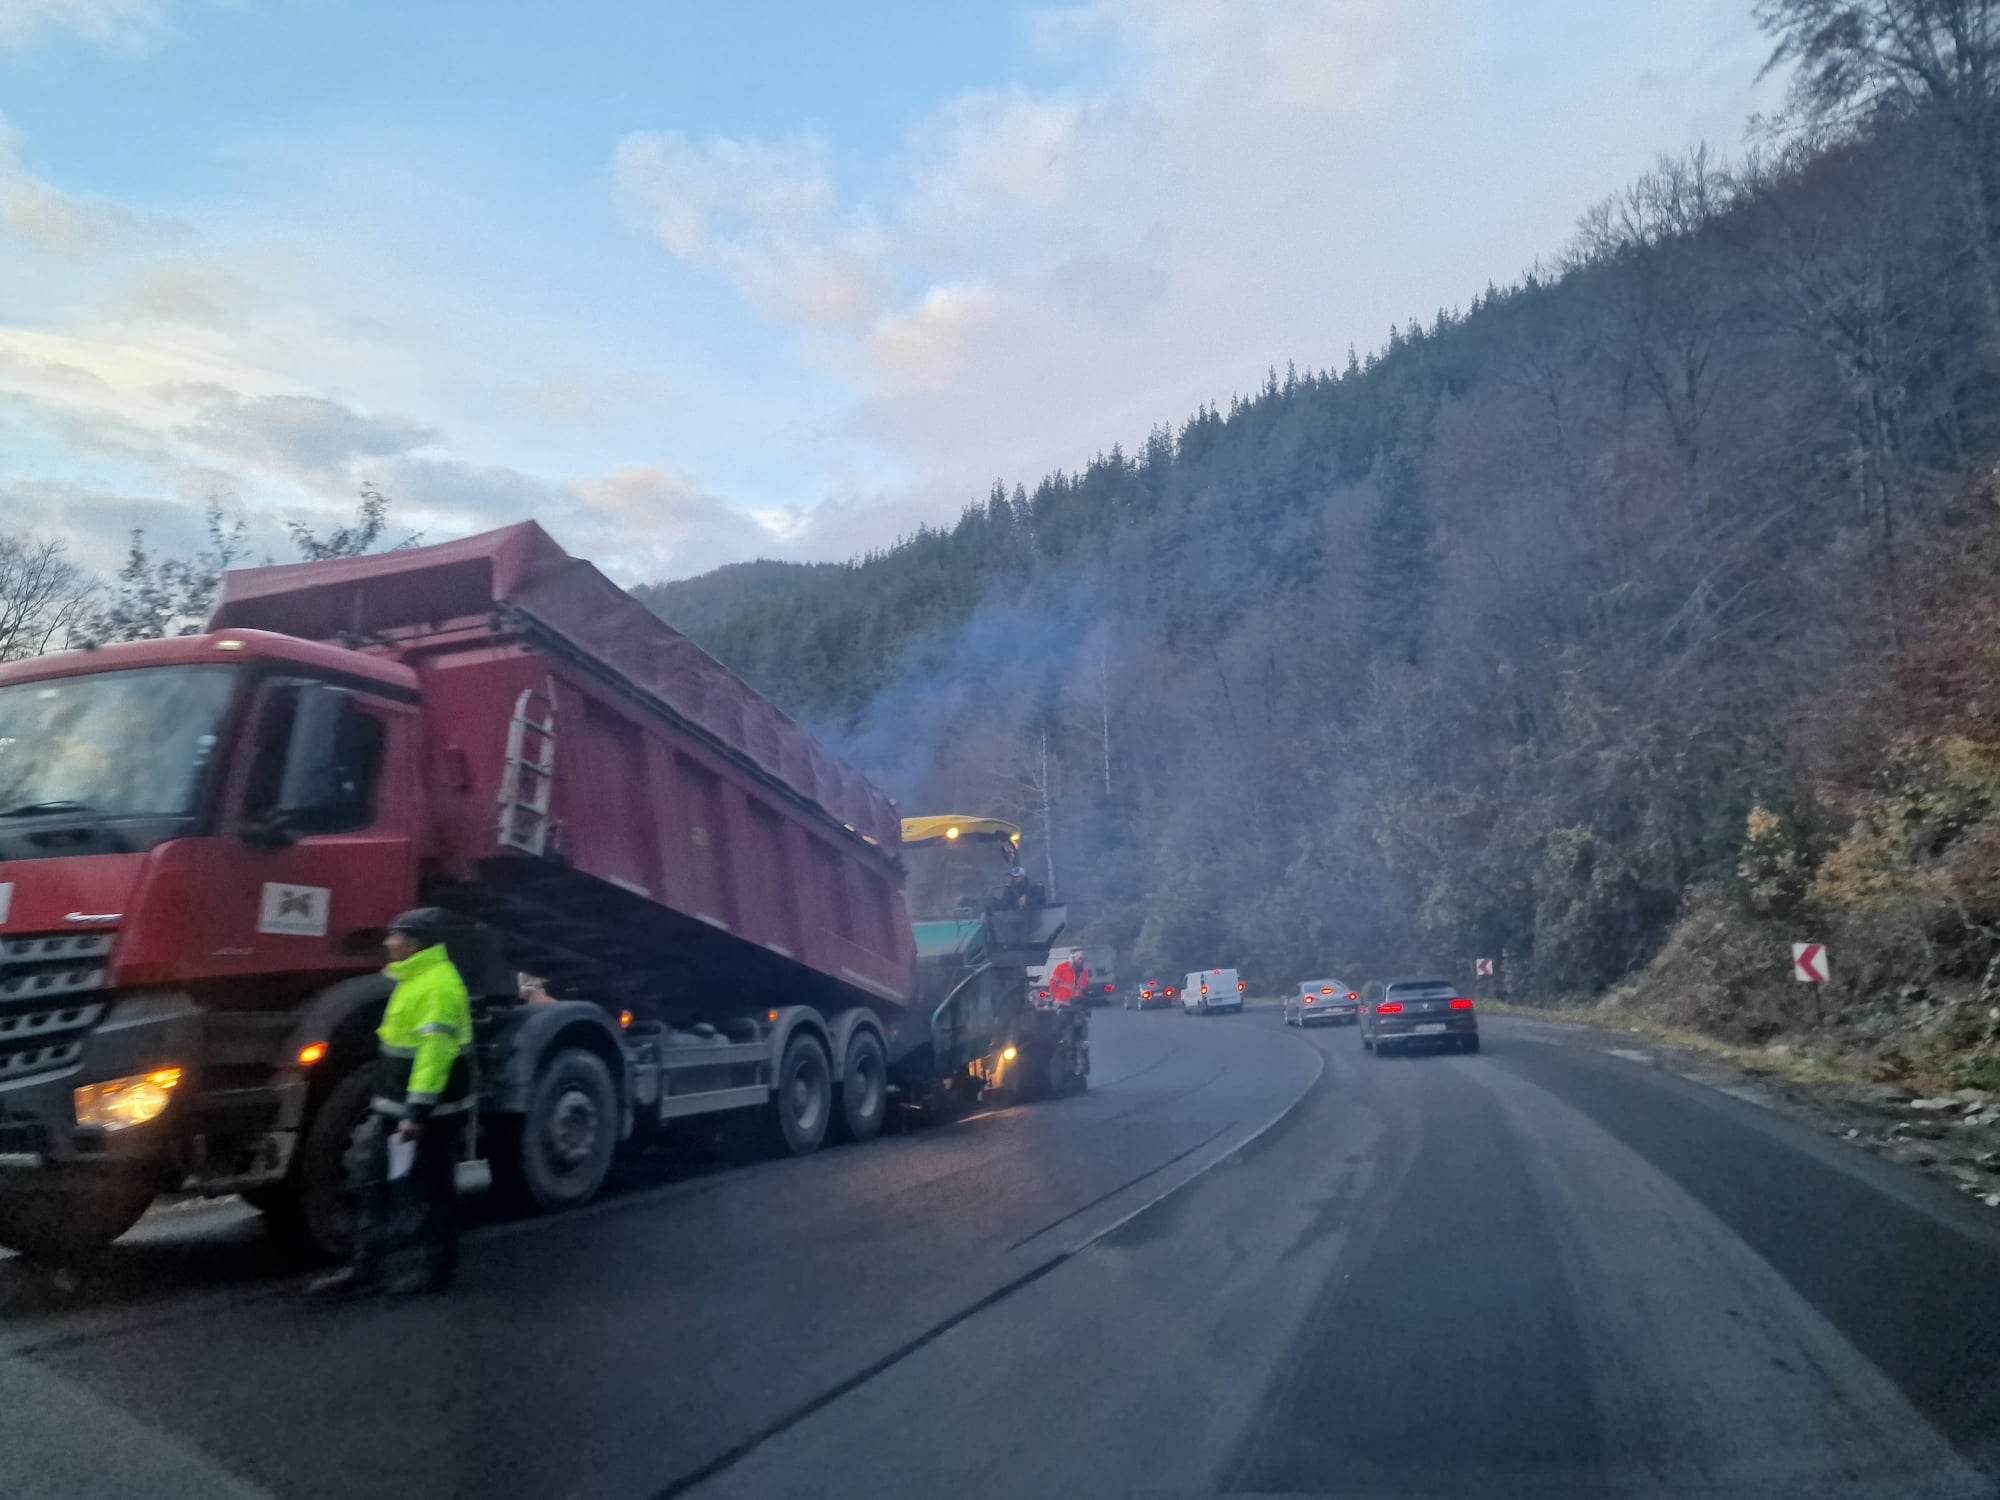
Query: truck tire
313, 1208
73, 1213
864, 1089
802, 1102
557, 1154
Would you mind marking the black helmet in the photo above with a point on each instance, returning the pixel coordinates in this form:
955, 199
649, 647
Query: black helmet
424, 925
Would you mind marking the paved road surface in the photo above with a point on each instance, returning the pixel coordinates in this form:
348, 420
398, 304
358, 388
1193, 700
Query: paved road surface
1252, 1261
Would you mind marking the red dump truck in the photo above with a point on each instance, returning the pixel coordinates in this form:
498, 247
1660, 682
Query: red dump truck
202, 840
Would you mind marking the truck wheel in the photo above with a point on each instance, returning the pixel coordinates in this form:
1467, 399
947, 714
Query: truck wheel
557, 1154
313, 1208
72, 1212
864, 1091
802, 1103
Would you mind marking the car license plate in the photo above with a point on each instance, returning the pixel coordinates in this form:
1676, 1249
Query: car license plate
1430, 1028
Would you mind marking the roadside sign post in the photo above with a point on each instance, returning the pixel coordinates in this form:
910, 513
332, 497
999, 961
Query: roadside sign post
1810, 966
1482, 968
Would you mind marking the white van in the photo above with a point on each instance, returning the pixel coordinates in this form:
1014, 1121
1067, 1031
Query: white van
1207, 991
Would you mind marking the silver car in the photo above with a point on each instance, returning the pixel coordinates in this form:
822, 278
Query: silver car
1328, 1000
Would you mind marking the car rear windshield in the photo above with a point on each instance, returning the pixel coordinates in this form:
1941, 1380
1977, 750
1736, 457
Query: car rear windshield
1423, 989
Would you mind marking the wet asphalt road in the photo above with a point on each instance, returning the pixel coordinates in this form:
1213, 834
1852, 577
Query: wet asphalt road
1251, 1261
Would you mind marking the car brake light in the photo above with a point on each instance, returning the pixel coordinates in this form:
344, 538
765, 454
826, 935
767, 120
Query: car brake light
1352, 996
1389, 1008
1309, 999
1326, 989
1461, 1004
1239, 986
1107, 989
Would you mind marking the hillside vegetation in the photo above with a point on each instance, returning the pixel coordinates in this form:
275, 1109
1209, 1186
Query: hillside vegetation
1623, 626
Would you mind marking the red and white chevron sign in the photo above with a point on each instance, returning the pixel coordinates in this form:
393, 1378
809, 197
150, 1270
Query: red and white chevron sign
1809, 962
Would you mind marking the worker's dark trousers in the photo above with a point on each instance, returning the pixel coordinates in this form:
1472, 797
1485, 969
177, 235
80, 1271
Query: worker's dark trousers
420, 1211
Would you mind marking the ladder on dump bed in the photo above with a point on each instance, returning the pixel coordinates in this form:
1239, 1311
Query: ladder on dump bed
529, 774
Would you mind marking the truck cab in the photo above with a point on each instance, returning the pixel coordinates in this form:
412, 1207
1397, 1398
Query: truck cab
176, 818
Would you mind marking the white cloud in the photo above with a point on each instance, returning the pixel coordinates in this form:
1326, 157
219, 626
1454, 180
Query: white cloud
644, 522
926, 342
1049, 271
44, 218
1026, 276
96, 524
191, 293
174, 367
761, 214
638, 523
129, 24
305, 435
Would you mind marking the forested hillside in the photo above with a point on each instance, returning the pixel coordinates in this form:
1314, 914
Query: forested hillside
700, 605
1644, 606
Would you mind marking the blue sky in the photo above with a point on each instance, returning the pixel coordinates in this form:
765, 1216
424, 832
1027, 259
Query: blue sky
696, 282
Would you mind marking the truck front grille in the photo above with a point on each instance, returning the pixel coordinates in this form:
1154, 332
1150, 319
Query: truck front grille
50, 1000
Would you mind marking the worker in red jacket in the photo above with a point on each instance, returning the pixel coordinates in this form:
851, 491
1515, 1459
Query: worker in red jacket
1068, 981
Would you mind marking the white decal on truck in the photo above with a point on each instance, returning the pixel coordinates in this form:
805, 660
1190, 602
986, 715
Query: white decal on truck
294, 910
6, 900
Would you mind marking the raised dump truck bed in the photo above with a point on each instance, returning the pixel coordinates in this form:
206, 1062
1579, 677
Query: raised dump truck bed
643, 822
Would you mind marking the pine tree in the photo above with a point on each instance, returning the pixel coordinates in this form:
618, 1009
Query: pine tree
1401, 562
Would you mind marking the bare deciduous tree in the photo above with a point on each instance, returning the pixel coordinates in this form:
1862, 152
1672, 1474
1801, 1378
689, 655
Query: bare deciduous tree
43, 595
1939, 59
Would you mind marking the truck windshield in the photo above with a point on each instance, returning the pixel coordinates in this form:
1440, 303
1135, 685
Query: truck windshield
116, 744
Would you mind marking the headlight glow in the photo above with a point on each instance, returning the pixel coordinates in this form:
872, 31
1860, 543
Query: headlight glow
120, 1103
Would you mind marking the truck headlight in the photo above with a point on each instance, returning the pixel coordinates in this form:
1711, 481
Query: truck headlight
122, 1102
